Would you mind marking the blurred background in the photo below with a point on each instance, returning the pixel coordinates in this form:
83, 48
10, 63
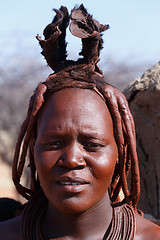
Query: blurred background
131, 46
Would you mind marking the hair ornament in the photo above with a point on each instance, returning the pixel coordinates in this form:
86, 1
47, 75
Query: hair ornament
82, 25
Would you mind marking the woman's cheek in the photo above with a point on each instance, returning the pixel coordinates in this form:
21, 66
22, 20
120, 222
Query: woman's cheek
104, 164
44, 159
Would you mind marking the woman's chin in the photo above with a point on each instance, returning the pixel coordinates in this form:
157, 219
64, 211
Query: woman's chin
70, 206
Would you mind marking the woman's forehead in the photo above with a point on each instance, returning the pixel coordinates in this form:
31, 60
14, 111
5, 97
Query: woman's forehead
79, 106
77, 99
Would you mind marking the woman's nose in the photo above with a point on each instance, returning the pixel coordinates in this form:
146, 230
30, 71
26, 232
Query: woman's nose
72, 157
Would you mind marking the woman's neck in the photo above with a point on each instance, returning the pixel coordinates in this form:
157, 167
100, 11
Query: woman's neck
93, 222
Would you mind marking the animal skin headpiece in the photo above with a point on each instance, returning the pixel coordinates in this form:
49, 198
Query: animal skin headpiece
82, 25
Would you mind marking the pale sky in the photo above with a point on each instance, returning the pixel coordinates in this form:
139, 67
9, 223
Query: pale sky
134, 26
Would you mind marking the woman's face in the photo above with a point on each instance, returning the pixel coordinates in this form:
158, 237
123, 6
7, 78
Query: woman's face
75, 150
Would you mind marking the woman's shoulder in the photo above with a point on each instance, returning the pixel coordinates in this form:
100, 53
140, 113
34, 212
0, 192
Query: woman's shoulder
146, 229
10, 229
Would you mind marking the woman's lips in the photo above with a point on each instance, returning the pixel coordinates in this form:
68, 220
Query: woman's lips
72, 181
72, 184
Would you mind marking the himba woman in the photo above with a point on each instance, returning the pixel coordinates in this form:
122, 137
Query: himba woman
80, 138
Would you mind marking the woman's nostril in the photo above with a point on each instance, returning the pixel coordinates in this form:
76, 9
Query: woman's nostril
60, 162
79, 167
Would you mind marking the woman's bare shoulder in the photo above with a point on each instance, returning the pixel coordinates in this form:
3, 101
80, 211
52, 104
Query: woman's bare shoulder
145, 229
10, 229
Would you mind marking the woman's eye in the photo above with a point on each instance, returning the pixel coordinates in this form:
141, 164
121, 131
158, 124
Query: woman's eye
55, 145
92, 146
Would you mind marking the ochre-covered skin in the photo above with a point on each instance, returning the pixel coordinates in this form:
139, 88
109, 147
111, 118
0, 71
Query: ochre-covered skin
75, 143
80, 137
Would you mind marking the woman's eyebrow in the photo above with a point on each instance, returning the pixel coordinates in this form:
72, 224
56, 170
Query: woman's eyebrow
93, 135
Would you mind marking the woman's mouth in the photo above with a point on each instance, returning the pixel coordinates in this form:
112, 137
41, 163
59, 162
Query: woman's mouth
72, 184
71, 181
